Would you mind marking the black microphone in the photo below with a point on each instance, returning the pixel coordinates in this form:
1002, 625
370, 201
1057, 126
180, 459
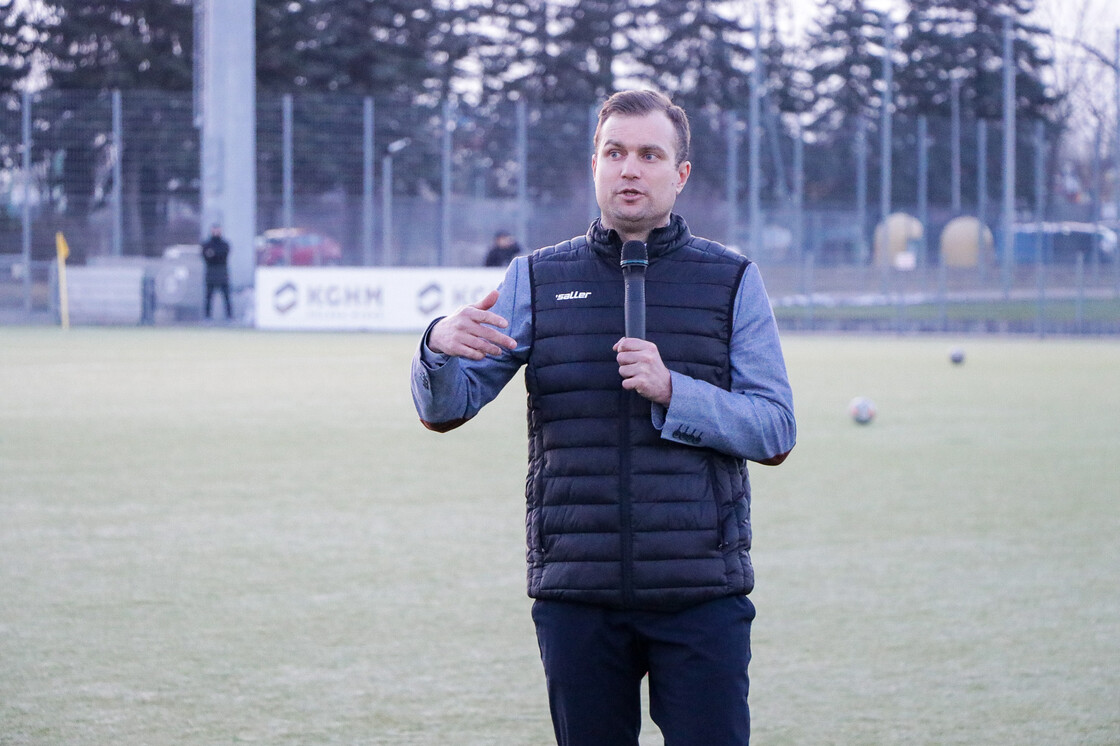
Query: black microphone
634, 263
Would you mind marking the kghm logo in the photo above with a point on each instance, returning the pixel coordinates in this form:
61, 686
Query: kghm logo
429, 298
434, 296
285, 297
574, 295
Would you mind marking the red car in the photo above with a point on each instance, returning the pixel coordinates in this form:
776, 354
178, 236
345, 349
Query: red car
296, 247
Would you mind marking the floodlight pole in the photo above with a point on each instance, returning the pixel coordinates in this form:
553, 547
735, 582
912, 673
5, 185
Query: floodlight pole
227, 101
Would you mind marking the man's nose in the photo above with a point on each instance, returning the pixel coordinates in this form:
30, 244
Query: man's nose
630, 167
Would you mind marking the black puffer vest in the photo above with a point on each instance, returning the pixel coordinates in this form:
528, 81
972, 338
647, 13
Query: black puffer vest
617, 515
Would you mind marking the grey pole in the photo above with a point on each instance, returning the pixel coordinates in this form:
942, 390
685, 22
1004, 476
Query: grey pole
1095, 202
981, 194
229, 135
754, 179
25, 208
522, 173
923, 187
1039, 218
861, 187
1007, 239
799, 209
731, 120
886, 129
286, 160
955, 125
367, 181
885, 137
117, 204
445, 185
387, 209
1116, 161
387, 197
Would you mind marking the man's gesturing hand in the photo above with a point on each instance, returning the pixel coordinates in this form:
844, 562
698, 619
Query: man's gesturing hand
470, 332
641, 368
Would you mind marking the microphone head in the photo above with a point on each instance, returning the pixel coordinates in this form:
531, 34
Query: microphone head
634, 253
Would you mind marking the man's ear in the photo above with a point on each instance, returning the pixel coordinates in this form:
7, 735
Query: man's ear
683, 171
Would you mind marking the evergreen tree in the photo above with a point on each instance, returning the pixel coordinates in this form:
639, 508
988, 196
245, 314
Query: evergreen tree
395, 49
94, 47
552, 52
964, 38
102, 45
846, 52
17, 45
701, 53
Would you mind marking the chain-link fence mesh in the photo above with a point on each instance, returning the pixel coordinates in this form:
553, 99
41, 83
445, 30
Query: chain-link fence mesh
431, 184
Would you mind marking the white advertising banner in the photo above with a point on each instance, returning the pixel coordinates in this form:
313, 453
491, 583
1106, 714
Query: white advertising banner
396, 299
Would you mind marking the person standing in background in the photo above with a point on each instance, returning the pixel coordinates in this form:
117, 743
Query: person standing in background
215, 252
503, 250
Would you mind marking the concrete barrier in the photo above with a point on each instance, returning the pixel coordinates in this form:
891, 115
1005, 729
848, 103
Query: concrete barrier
107, 294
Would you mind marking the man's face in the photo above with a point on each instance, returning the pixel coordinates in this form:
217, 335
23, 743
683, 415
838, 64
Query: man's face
636, 177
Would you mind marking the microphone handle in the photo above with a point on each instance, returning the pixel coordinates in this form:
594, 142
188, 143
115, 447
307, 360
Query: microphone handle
634, 306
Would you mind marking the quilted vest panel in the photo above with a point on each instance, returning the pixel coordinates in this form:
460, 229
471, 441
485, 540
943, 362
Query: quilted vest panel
616, 515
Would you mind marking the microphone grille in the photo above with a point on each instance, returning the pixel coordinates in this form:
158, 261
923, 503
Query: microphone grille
634, 252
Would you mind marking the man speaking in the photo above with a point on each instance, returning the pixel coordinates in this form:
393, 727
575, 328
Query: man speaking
638, 501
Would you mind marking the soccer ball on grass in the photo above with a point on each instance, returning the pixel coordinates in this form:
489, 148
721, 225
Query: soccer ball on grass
862, 410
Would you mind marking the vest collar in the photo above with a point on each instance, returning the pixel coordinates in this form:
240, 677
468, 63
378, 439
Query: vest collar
607, 243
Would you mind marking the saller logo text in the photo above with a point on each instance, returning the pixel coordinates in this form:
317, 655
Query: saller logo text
573, 295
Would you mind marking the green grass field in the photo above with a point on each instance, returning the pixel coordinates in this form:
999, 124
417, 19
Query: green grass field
213, 536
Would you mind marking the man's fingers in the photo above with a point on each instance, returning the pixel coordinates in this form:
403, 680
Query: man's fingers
488, 302
470, 332
474, 323
479, 316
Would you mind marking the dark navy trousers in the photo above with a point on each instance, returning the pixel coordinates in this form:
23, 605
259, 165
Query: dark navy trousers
595, 658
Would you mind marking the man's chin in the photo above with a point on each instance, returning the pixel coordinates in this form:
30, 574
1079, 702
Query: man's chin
636, 223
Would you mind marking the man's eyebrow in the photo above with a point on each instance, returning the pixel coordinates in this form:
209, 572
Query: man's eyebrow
640, 148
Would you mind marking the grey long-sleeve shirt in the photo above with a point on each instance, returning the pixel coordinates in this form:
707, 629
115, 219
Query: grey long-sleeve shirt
754, 420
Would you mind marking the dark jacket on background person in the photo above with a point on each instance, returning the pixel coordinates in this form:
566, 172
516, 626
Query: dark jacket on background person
503, 250
618, 515
215, 252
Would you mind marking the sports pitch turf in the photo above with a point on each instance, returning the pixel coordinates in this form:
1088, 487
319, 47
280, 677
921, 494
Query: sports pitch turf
218, 536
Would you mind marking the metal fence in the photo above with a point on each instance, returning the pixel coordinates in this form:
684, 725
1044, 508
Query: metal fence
118, 174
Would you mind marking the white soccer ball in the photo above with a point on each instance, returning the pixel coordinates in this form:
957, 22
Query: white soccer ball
956, 355
862, 410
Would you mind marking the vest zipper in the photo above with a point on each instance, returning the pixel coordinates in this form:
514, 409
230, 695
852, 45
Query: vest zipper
625, 534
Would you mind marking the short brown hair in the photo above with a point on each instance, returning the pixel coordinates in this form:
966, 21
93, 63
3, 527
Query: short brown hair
636, 103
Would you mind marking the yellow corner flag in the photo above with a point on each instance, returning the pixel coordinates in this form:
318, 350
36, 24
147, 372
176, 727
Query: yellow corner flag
63, 250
